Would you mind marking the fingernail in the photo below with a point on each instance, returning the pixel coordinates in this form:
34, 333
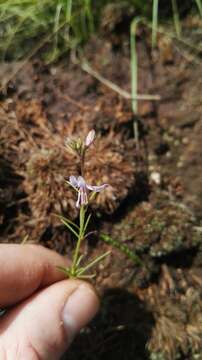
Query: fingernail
80, 308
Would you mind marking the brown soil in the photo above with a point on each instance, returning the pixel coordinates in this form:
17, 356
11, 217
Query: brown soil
153, 204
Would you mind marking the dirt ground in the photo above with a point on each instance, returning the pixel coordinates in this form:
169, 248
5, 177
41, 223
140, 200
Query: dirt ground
153, 205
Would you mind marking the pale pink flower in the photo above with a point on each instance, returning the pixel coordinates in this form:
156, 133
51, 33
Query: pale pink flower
80, 184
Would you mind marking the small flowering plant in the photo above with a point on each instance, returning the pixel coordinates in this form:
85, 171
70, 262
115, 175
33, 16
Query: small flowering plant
85, 195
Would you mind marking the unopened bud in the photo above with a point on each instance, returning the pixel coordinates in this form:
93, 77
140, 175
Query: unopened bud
74, 145
90, 138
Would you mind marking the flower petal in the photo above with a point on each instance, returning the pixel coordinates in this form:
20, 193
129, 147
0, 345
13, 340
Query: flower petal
84, 196
81, 182
73, 181
90, 138
78, 200
96, 188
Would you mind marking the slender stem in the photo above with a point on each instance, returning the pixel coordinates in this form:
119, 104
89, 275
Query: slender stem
82, 161
80, 237
76, 254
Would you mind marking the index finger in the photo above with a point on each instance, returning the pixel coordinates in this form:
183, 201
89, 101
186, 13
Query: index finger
26, 268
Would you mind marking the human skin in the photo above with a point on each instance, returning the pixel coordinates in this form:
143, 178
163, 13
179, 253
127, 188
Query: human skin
44, 310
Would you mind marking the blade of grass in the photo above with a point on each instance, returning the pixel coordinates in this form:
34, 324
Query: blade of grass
68, 15
154, 22
134, 76
68, 11
134, 65
55, 52
89, 14
176, 18
199, 5
125, 94
57, 22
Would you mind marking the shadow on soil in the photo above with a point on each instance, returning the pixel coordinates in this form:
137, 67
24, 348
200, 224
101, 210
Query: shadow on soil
120, 331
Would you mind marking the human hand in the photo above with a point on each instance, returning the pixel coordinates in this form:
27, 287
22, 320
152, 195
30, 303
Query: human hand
45, 311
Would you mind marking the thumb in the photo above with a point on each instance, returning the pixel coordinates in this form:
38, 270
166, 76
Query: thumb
43, 326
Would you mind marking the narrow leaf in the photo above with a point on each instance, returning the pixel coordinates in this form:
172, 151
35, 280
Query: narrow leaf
92, 263
79, 260
69, 221
70, 228
87, 222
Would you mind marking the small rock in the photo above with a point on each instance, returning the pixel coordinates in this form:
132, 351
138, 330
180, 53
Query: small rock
155, 177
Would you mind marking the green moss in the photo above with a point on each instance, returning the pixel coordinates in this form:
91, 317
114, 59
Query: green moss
158, 232
157, 224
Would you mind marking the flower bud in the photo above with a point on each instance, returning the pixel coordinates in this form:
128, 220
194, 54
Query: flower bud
74, 145
90, 138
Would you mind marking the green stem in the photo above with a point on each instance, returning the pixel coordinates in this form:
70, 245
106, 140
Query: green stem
80, 238
82, 161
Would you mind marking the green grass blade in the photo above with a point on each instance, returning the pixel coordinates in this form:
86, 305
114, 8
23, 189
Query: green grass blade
134, 76
68, 10
134, 64
199, 5
176, 18
57, 22
154, 22
89, 14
